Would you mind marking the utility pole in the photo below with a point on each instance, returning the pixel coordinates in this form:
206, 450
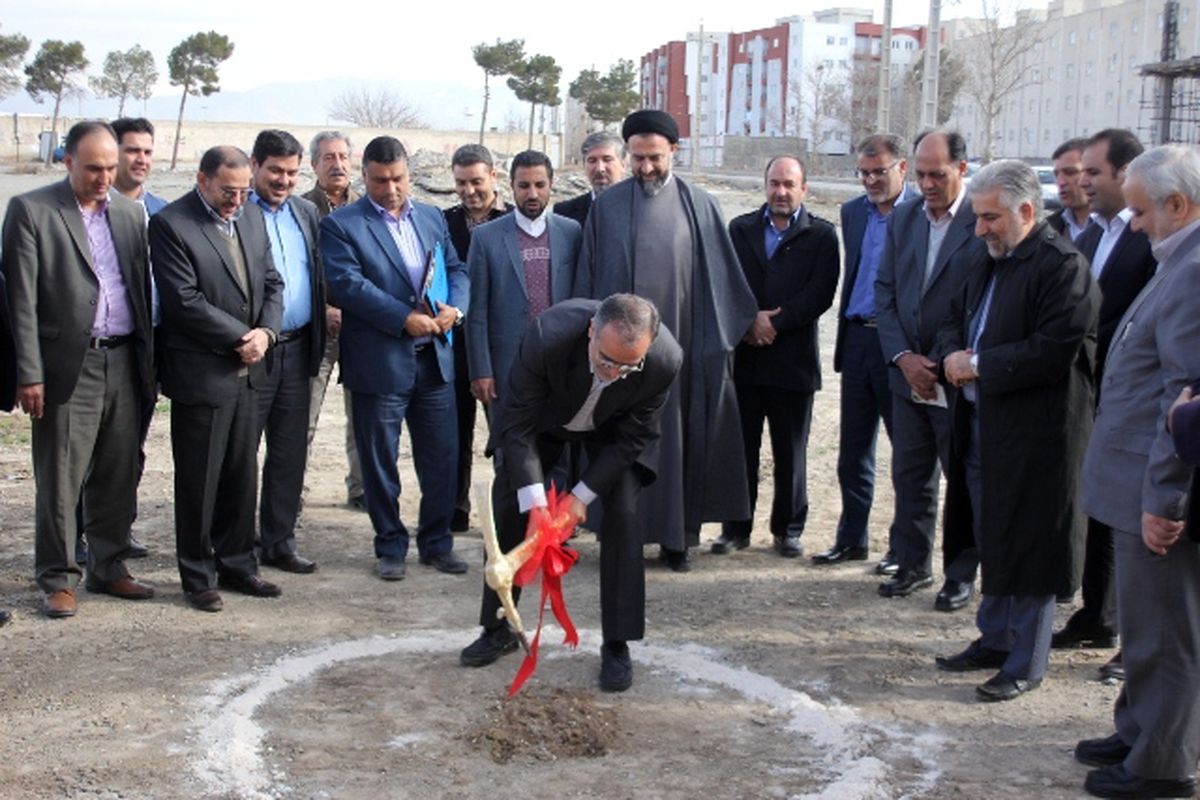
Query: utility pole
883, 121
1170, 51
933, 47
696, 100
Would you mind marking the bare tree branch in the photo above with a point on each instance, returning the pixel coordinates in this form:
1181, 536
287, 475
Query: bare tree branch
381, 108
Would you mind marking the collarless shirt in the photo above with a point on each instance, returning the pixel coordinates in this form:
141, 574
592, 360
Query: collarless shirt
289, 250
534, 227
1111, 230
772, 236
113, 317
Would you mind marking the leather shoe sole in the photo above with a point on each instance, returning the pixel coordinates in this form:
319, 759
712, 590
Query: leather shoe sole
1003, 686
953, 596
292, 563
206, 600
1101, 752
447, 562
836, 555
1116, 781
251, 585
60, 604
126, 588
727, 544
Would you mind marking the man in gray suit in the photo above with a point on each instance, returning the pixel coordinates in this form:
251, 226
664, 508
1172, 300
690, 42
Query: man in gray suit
79, 296
520, 265
1134, 483
221, 310
929, 243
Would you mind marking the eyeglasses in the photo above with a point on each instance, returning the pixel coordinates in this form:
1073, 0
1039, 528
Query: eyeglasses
229, 193
622, 370
875, 174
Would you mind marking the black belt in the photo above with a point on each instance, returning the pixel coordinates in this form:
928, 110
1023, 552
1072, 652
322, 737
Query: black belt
109, 342
866, 322
292, 335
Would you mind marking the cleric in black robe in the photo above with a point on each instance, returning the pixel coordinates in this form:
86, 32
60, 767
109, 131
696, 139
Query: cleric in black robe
656, 236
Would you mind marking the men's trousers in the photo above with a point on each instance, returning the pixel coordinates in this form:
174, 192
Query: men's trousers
86, 448
865, 400
320, 383
428, 410
283, 406
466, 408
215, 449
789, 417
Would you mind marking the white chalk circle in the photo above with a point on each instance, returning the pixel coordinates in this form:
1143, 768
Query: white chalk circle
232, 764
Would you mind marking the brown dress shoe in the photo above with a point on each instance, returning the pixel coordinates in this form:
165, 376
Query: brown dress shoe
125, 588
205, 600
60, 604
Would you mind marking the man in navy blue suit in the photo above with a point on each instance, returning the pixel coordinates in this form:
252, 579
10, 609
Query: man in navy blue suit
392, 269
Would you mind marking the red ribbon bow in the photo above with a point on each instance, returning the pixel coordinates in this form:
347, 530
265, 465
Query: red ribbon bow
549, 528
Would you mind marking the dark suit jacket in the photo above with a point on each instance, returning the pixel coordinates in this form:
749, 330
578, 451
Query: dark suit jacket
1055, 220
800, 279
8, 356
1130, 267
499, 300
204, 309
368, 281
550, 381
576, 208
910, 312
52, 287
309, 219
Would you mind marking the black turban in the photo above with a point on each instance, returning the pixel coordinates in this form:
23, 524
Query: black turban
650, 120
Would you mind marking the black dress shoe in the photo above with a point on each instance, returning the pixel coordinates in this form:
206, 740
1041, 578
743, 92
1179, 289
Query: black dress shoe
1113, 670
976, 656
1003, 686
447, 562
905, 582
1116, 781
839, 553
888, 565
1072, 636
490, 645
249, 584
1101, 752
676, 560
290, 562
390, 569
953, 595
725, 543
616, 667
137, 549
5, 616
789, 546
461, 521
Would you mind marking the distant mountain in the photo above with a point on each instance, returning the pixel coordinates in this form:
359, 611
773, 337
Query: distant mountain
442, 105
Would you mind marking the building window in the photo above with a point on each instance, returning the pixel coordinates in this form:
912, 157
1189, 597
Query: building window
842, 41
1046, 135
1070, 71
1049, 103
1032, 106
1071, 37
1091, 34
829, 40
1088, 69
1068, 102
774, 43
1049, 73
1112, 30
1087, 101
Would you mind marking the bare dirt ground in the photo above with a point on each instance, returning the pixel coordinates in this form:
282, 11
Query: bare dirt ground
759, 677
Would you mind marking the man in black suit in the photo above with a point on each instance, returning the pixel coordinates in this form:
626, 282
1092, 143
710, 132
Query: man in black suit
284, 398
221, 309
479, 202
74, 258
604, 160
865, 398
1072, 218
597, 373
791, 263
1122, 263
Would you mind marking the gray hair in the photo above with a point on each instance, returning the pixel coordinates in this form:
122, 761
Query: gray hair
630, 315
314, 148
603, 139
1167, 170
1017, 182
878, 143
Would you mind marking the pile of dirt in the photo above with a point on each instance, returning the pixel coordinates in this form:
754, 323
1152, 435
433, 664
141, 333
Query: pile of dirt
546, 725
